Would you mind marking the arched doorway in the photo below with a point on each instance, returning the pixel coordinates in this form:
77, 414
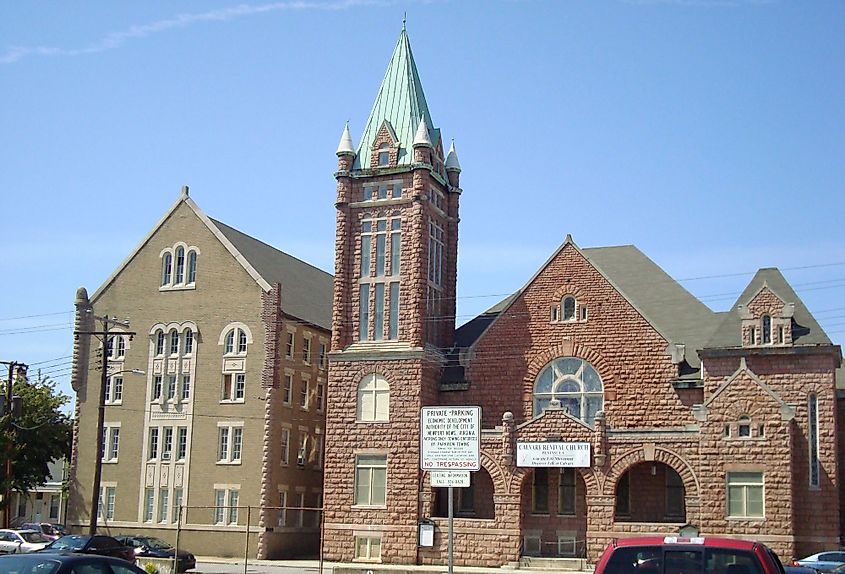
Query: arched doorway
553, 510
650, 492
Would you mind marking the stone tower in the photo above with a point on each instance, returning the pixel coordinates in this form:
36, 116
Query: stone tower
393, 316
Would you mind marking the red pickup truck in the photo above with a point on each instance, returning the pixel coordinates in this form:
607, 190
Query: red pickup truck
680, 555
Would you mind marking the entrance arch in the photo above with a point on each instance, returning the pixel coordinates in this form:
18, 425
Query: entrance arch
553, 512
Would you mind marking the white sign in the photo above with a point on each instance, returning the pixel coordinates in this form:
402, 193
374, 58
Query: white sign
553, 454
450, 438
458, 478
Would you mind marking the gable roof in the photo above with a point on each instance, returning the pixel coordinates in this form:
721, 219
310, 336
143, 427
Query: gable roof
672, 310
306, 290
401, 102
805, 329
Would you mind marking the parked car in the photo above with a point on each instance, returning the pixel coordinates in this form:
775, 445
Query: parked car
680, 555
823, 561
48, 529
65, 563
799, 570
21, 541
102, 545
153, 547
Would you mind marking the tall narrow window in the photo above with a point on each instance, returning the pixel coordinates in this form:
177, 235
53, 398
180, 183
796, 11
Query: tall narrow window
121, 346
364, 313
157, 387
234, 495
674, 494
177, 504
378, 335
766, 331
623, 495
167, 443
395, 244
186, 387
435, 253
192, 267
813, 437
229, 343
180, 264
241, 341
381, 237
149, 498
174, 342
152, 448
393, 330
223, 444
219, 503
370, 479
182, 443
159, 342
566, 492
162, 504
383, 155
285, 446
540, 491
752, 335
189, 342
569, 308
166, 264
366, 247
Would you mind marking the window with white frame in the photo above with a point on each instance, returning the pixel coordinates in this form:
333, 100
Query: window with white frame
106, 506
289, 345
159, 342
303, 394
157, 387
116, 347
285, 443
744, 427
287, 389
163, 496
152, 444
186, 388
178, 267
235, 342
233, 388
167, 443
229, 443
323, 360
149, 501
171, 387
182, 443
383, 155
745, 494
318, 451
111, 442
300, 513
573, 382
282, 515
114, 390
302, 454
373, 399
306, 350
178, 497
321, 396
226, 505
189, 342
174, 343
370, 479
368, 548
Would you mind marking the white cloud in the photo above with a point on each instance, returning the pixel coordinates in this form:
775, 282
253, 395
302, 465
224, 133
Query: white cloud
114, 40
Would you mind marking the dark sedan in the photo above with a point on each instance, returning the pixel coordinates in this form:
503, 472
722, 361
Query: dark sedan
153, 547
102, 545
64, 563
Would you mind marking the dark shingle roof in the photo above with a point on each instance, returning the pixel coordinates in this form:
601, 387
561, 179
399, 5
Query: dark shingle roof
805, 329
306, 290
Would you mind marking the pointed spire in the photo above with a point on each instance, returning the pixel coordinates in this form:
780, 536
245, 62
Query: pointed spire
401, 102
345, 146
422, 137
452, 163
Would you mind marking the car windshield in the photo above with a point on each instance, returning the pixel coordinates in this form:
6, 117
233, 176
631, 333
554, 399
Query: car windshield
72, 542
156, 543
29, 563
34, 537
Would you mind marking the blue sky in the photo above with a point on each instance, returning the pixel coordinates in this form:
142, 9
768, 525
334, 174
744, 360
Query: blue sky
707, 133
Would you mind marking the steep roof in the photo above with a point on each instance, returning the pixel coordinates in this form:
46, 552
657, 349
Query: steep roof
401, 102
805, 330
672, 310
306, 290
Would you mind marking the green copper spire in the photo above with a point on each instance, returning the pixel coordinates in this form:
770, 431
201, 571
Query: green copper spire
401, 102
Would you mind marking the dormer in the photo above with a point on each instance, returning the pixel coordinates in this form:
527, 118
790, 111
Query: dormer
385, 150
766, 320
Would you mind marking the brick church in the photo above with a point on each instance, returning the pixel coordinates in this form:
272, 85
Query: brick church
718, 423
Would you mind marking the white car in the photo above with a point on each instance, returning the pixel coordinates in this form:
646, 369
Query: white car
21, 541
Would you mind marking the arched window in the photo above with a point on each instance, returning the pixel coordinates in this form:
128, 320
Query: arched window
121, 346
575, 383
189, 342
192, 267
180, 264
373, 399
229, 345
383, 155
767, 330
241, 342
569, 308
166, 263
159, 342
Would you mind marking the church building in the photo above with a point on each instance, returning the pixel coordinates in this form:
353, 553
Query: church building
694, 421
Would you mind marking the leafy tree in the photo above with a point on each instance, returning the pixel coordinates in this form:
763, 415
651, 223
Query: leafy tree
40, 435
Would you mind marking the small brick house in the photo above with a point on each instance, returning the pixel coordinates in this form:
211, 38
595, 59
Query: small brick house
720, 423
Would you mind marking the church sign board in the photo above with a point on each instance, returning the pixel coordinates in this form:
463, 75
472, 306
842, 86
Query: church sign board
553, 454
450, 438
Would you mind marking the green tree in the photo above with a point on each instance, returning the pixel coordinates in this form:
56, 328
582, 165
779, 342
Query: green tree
40, 435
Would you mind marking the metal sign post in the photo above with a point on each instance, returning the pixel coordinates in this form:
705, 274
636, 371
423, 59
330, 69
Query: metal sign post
450, 441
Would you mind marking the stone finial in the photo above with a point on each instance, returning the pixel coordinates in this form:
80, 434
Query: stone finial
345, 147
184, 192
452, 163
422, 138
81, 296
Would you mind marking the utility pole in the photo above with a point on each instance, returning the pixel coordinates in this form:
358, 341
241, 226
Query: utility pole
101, 412
11, 407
